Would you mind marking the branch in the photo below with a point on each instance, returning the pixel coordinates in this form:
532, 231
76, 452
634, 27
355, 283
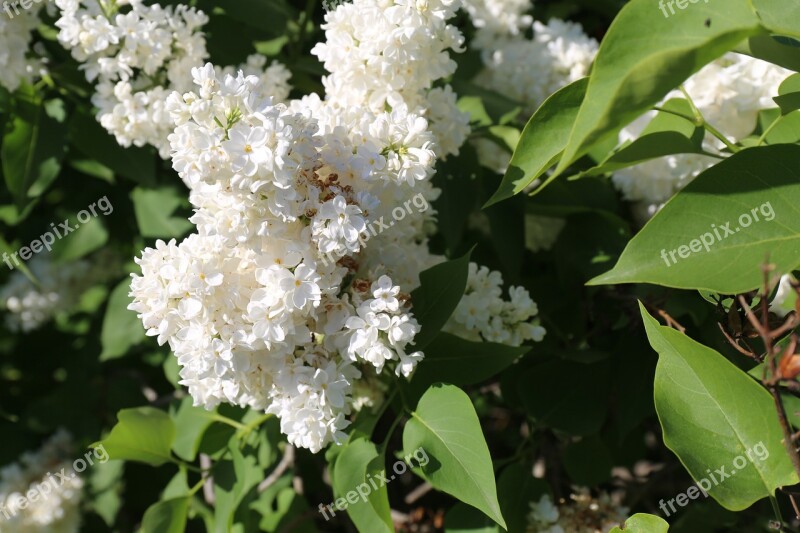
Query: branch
283, 466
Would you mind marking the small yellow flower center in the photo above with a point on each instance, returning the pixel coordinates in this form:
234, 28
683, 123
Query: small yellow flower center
248, 149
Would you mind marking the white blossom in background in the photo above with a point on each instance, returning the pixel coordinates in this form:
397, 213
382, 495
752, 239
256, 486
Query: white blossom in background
530, 70
136, 57
28, 307
729, 93
287, 299
582, 514
16, 34
785, 298
541, 232
524, 70
495, 19
59, 512
483, 314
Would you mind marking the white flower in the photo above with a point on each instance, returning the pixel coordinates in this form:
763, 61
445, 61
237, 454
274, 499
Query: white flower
247, 149
56, 511
385, 295
729, 93
16, 34
301, 289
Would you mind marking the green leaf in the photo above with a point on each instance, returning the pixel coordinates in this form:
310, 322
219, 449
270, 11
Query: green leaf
779, 51
756, 182
283, 509
645, 55
666, 134
6, 248
143, 434
577, 406
32, 152
168, 516
788, 98
461, 362
105, 484
779, 16
135, 164
543, 140
86, 238
485, 107
441, 288
191, 423
359, 463
459, 195
462, 518
588, 462
712, 414
269, 16
154, 210
235, 482
121, 328
446, 427
516, 489
643, 523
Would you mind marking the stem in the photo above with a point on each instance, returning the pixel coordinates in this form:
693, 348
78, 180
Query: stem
197, 486
764, 331
390, 432
776, 508
769, 130
693, 120
225, 420
787, 433
701, 121
716, 133
245, 431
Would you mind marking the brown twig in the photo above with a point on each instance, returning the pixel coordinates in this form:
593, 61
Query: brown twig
773, 384
748, 352
671, 322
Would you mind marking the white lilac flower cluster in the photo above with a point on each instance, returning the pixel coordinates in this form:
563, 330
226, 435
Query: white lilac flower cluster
137, 58
496, 19
387, 55
249, 305
28, 307
16, 66
729, 93
530, 70
483, 314
295, 287
59, 511
583, 514
522, 69
273, 79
